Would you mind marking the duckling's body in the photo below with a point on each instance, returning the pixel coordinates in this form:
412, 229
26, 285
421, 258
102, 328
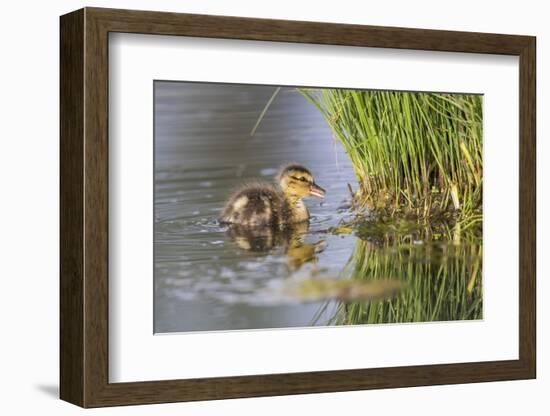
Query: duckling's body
262, 204
254, 205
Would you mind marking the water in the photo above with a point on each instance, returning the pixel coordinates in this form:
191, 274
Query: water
210, 278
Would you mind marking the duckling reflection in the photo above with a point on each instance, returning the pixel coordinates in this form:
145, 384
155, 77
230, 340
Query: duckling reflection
266, 239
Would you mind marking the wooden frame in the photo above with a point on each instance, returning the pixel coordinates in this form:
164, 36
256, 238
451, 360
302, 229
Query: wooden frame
84, 207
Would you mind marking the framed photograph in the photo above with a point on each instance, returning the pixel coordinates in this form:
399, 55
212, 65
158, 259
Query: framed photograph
257, 207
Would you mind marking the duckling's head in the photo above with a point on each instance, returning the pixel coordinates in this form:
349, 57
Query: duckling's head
298, 182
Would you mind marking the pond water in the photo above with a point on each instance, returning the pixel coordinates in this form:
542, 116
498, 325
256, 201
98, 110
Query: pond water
208, 278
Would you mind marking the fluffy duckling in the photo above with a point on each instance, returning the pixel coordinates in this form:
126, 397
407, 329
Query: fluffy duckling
263, 205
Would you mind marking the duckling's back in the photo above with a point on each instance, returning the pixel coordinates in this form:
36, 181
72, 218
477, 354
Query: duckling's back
253, 205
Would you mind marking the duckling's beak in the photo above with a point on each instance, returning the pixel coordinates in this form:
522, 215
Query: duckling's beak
316, 190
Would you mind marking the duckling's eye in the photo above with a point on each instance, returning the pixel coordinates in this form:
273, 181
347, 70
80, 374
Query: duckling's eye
301, 178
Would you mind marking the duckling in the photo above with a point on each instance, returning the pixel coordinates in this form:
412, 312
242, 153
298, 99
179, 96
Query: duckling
262, 204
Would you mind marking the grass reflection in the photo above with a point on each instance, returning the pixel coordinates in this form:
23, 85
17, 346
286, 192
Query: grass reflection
440, 268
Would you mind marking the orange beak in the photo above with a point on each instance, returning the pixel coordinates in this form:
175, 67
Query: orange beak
316, 190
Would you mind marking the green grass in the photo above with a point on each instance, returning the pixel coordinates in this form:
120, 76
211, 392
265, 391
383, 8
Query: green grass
440, 267
415, 155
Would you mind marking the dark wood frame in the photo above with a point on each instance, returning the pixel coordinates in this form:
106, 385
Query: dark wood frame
84, 208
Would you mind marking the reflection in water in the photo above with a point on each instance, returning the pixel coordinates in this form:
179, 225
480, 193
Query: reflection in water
440, 270
344, 290
332, 271
290, 239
